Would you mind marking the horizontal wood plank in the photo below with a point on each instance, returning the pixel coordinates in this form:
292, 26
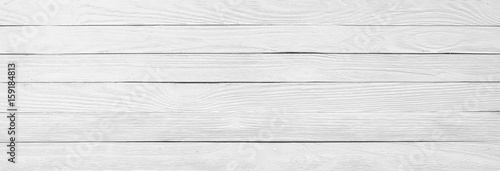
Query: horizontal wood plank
256, 68
220, 97
265, 12
243, 39
256, 126
286, 157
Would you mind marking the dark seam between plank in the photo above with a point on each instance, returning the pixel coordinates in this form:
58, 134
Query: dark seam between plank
258, 82
245, 25
305, 142
263, 53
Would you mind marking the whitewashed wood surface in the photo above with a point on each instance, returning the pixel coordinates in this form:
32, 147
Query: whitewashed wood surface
261, 156
259, 125
322, 85
249, 39
251, 12
251, 97
258, 68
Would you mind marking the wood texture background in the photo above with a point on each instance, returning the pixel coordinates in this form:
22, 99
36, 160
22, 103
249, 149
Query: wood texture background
258, 12
254, 84
253, 39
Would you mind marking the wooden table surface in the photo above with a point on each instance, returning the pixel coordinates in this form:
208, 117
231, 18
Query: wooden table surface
324, 85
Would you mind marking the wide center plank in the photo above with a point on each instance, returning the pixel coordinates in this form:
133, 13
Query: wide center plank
257, 68
253, 39
256, 97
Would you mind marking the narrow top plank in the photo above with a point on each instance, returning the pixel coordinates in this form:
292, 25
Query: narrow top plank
261, 12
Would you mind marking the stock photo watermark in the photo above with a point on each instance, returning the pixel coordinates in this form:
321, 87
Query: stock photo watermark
48, 10
11, 110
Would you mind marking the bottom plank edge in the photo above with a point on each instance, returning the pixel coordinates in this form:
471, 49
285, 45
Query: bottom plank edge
264, 156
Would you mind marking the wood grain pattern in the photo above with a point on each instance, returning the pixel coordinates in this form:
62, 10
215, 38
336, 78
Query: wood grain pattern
309, 85
296, 97
262, 156
265, 12
257, 126
256, 68
255, 39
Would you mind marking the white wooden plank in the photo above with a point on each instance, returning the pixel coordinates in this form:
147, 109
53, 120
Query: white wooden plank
256, 39
257, 126
286, 157
183, 12
220, 97
255, 67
